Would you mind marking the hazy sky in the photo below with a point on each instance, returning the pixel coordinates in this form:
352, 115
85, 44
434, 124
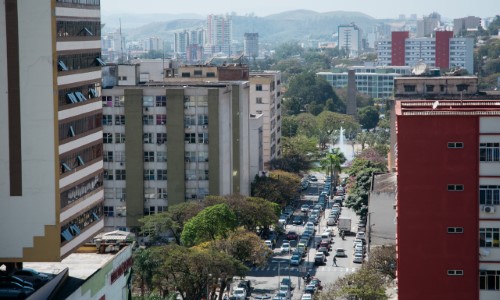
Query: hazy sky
376, 8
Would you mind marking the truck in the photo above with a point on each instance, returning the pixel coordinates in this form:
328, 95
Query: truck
344, 224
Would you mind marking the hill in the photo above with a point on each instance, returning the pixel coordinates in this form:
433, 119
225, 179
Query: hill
290, 25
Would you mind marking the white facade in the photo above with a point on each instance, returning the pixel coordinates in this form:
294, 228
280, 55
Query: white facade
350, 39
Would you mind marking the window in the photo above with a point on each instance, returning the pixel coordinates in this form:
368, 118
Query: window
259, 112
462, 87
202, 120
161, 119
489, 194
161, 101
489, 280
429, 88
161, 156
203, 156
258, 100
148, 101
108, 211
149, 156
455, 272
119, 101
108, 174
489, 152
149, 210
121, 194
190, 156
149, 174
455, 187
203, 138
108, 156
454, 145
455, 230
258, 87
161, 138
162, 193
189, 120
107, 120
185, 74
119, 138
120, 174
489, 237
210, 74
190, 138
120, 120
148, 138
147, 120
409, 88
197, 73
109, 193
120, 156
162, 209
161, 174
107, 138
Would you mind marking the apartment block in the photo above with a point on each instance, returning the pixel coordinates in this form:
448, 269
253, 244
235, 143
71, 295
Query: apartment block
51, 164
350, 39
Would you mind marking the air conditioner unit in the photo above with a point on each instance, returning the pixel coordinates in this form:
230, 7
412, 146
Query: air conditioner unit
205, 126
489, 209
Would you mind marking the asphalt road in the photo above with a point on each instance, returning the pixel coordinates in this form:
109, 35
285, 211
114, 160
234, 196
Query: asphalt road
266, 279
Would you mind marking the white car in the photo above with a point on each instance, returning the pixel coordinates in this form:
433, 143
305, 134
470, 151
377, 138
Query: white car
358, 258
269, 244
285, 247
360, 235
359, 248
282, 296
306, 297
309, 225
240, 293
340, 252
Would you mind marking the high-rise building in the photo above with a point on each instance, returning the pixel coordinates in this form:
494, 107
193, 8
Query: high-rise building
51, 175
461, 25
179, 140
181, 41
265, 99
448, 197
429, 24
219, 35
251, 45
350, 39
443, 51
153, 44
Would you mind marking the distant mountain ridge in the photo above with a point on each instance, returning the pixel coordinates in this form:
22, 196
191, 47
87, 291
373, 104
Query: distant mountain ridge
289, 25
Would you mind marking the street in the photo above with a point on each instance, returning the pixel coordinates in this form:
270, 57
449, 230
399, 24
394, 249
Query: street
266, 279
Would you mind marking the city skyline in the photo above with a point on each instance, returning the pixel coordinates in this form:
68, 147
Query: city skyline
262, 8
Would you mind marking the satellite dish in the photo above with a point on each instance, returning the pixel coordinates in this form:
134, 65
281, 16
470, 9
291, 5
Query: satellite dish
420, 68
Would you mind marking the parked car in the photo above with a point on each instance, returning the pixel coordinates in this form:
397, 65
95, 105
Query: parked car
36, 278
319, 258
304, 208
285, 247
360, 235
296, 259
310, 289
331, 221
324, 250
288, 282
358, 258
11, 290
340, 252
306, 296
286, 290
16, 279
313, 178
246, 285
297, 220
269, 243
240, 293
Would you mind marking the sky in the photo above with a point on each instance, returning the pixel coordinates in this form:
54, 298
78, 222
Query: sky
380, 9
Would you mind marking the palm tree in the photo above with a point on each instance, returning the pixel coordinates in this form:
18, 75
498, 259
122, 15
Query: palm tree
332, 163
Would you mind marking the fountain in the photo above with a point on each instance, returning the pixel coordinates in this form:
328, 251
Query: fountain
346, 149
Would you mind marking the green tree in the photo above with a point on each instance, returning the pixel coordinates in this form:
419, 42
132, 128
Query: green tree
288, 49
279, 187
368, 117
299, 144
211, 223
289, 126
383, 260
364, 284
307, 124
332, 163
291, 162
146, 265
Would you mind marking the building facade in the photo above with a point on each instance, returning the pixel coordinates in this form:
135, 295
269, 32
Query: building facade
251, 44
428, 24
443, 51
377, 82
265, 99
350, 39
167, 143
219, 35
462, 25
51, 175
448, 187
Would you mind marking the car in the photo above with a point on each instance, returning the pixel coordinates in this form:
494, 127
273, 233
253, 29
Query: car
246, 285
316, 282
282, 221
340, 252
320, 258
11, 290
358, 258
296, 259
306, 296
292, 235
310, 225
38, 279
359, 248
269, 243
326, 244
313, 178
324, 250
310, 289
281, 296
287, 290
16, 279
240, 293
262, 297
297, 220
360, 235
287, 281
356, 241
285, 247
331, 221
304, 208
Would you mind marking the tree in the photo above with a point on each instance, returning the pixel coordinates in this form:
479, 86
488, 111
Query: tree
362, 285
146, 265
211, 223
368, 117
330, 122
289, 126
279, 187
383, 260
307, 124
298, 145
291, 162
332, 162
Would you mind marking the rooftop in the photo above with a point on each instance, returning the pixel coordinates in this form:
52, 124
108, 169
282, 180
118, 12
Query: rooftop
448, 107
